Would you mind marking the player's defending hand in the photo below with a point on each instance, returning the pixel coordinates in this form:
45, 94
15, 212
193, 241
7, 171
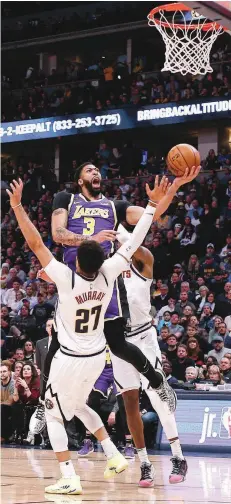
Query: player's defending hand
160, 189
16, 194
188, 176
106, 235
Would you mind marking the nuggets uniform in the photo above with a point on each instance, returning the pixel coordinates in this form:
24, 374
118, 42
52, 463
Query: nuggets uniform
106, 379
139, 331
88, 218
80, 313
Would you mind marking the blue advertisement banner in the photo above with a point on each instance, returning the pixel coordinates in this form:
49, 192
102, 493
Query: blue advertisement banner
125, 118
207, 426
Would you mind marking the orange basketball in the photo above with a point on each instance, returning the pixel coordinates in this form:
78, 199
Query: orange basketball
182, 156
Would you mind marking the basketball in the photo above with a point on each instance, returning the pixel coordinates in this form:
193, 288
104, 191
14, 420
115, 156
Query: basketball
182, 156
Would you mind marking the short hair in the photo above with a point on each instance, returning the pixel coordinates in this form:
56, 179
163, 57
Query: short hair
167, 311
7, 363
79, 169
175, 313
90, 256
181, 345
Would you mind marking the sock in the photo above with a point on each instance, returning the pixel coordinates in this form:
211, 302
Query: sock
176, 448
109, 448
67, 469
143, 456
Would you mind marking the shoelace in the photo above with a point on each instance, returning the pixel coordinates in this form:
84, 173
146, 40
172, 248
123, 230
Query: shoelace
40, 412
176, 465
145, 471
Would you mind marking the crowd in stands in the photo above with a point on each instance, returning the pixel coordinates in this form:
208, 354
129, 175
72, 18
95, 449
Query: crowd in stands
45, 97
190, 295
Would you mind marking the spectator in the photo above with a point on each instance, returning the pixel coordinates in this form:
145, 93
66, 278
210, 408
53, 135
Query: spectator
161, 300
214, 375
29, 351
170, 307
182, 303
10, 295
165, 320
7, 390
52, 295
41, 312
167, 368
162, 340
19, 355
171, 351
23, 324
181, 362
17, 366
219, 349
193, 267
191, 374
225, 368
206, 318
26, 395
175, 328
194, 351
214, 331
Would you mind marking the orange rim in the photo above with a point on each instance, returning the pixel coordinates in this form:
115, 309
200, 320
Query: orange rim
181, 7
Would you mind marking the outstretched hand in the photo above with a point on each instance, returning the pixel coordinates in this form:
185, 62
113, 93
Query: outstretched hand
160, 189
16, 194
189, 175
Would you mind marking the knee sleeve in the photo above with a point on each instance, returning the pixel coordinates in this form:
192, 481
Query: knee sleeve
57, 434
90, 418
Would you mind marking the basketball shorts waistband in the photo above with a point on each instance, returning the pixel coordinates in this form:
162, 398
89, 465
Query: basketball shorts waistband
66, 351
141, 329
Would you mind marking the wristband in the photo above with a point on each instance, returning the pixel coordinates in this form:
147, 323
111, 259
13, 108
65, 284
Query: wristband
20, 204
153, 202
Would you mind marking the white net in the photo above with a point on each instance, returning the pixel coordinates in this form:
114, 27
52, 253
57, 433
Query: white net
188, 46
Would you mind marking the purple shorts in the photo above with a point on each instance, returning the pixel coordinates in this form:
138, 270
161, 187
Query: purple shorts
105, 380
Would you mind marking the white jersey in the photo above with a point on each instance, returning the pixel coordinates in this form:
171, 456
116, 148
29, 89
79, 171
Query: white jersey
82, 304
138, 295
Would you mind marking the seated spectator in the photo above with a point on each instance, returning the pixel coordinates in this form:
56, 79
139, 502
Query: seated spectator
41, 312
52, 295
30, 296
214, 375
18, 304
4, 275
219, 349
10, 294
171, 351
174, 327
225, 368
165, 321
184, 301
162, 340
170, 307
225, 249
181, 362
162, 299
167, 368
206, 321
210, 299
18, 355
23, 324
214, 331
201, 298
174, 286
17, 366
26, 393
194, 351
5, 319
29, 351
7, 390
193, 267
191, 374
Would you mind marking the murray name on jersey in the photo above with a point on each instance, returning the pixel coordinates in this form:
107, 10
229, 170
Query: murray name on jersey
91, 295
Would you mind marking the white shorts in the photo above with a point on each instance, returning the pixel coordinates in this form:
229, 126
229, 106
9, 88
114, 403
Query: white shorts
71, 380
125, 375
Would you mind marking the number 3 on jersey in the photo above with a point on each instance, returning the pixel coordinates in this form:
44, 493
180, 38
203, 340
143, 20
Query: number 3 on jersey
90, 228
87, 320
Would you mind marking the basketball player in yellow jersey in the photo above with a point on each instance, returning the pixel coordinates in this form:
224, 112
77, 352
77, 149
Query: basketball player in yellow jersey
138, 279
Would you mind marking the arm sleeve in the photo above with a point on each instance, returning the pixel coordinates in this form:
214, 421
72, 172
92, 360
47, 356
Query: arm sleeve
60, 274
121, 209
61, 200
115, 265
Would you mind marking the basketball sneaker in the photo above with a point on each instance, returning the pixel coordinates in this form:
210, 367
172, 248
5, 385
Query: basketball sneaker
38, 420
86, 449
166, 393
147, 475
179, 470
129, 452
115, 465
67, 486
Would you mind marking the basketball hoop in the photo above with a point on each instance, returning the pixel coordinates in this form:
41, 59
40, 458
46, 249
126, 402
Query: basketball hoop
188, 43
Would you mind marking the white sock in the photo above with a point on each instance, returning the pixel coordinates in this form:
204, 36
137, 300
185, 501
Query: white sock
67, 469
176, 449
143, 456
109, 448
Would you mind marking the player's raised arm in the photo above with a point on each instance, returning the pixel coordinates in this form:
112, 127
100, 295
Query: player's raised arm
141, 255
133, 213
28, 229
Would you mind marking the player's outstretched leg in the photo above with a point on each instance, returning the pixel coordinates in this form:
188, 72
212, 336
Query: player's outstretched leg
69, 483
116, 462
114, 333
135, 425
168, 421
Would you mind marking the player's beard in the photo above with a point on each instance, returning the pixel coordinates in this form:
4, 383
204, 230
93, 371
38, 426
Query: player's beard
92, 191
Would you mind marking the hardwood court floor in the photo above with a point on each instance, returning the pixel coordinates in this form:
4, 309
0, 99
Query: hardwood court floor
25, 473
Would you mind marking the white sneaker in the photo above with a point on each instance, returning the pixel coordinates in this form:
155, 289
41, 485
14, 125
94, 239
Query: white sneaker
67, 486
38, 420
30, 439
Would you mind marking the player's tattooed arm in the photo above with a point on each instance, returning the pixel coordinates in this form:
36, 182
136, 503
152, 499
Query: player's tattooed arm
60, 233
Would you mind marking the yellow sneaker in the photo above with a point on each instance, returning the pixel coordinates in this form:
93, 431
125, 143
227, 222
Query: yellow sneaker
67, 486
115, 465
